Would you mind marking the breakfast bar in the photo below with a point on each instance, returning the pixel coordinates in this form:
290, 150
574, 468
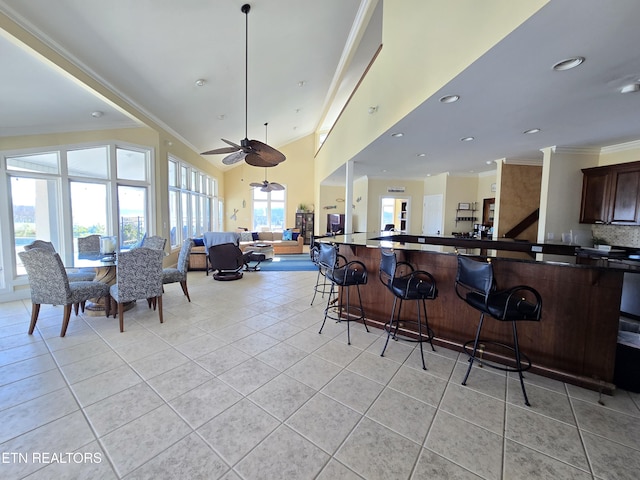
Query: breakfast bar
576, 339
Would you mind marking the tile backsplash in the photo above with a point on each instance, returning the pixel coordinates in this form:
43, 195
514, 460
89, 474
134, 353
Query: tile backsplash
622, 236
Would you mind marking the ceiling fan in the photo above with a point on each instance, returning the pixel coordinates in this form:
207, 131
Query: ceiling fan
253, 152
266, 186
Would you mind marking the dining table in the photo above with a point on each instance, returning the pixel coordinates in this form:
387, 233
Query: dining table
104, 266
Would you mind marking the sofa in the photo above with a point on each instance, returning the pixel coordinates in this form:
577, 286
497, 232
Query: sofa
280, 245
245, 239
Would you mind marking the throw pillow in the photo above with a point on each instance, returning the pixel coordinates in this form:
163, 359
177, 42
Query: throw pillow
246, 237
286, 235
198, 242
295, 235
255, 236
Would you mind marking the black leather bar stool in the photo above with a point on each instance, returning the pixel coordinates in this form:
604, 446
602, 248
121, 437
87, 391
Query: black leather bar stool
415, 285
322, 286
344, 275
475, 284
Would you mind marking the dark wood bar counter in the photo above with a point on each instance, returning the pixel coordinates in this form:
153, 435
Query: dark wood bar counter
575, 341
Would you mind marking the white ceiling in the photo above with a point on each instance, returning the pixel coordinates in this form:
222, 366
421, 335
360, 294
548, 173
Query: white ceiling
151, 52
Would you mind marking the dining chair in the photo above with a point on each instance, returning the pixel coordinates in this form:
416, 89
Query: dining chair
89, 244
156, 242
138, 276
50, 285
179, 273
74, 274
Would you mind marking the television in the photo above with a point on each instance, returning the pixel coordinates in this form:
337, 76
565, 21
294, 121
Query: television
335, 223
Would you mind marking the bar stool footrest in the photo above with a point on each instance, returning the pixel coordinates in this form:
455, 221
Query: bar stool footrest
413, 336
525, 362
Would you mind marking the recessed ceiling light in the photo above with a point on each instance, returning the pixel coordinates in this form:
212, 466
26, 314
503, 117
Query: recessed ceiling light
421, 155
397, 134
568, 64
97, 114
450, 98
532, 130
489, 162
632, 87
302, 83
200, 82
467, 139
373, 109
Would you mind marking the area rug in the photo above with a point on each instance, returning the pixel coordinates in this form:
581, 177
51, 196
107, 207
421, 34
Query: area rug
288, 263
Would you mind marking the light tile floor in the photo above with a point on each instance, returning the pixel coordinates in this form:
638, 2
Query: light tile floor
238, 384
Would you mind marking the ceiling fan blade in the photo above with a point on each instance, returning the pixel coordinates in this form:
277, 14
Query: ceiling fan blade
218, 151
235, 157
237, 147
268, 154
257, 161
256, 184
276, 186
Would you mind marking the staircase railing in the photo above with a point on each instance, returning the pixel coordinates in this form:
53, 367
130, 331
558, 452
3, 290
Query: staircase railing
524, 224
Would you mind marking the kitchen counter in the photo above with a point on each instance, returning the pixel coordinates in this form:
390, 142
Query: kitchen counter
551, 253
575, 341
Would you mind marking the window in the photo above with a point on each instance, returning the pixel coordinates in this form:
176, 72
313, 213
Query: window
73, 192
132, 208
88, 209
268, 210
191, 202
35, 203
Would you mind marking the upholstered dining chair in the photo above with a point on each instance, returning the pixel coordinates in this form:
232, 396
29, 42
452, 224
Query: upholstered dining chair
50, 286
179, 273
89, 244
139, 276
74, 274
156, 242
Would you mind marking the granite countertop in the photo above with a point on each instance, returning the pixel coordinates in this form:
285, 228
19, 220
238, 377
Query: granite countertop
557, 254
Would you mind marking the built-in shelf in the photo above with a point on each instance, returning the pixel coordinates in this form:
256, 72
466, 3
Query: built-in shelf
466, 212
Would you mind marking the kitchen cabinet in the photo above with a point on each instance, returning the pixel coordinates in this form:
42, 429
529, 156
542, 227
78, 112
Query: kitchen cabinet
611, 194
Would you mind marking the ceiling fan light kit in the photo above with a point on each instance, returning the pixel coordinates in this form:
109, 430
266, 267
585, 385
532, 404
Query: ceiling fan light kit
253, 152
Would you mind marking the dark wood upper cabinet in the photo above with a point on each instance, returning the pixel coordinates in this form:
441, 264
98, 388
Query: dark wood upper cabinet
611, 194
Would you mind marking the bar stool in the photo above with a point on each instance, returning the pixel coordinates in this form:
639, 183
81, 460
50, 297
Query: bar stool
344, 275
475, 284
322, 286
415, 285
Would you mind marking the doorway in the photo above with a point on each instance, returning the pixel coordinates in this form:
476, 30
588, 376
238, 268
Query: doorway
432, 223
395, 211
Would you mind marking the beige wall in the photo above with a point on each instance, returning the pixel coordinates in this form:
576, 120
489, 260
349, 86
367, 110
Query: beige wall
377, 189
330, 196
460, 189
295, 173
361, 211
625, 153
397, 83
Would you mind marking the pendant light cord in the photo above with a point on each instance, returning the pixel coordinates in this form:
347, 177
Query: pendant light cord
245, 8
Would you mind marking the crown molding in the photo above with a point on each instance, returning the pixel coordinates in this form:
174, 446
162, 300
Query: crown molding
621, 147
